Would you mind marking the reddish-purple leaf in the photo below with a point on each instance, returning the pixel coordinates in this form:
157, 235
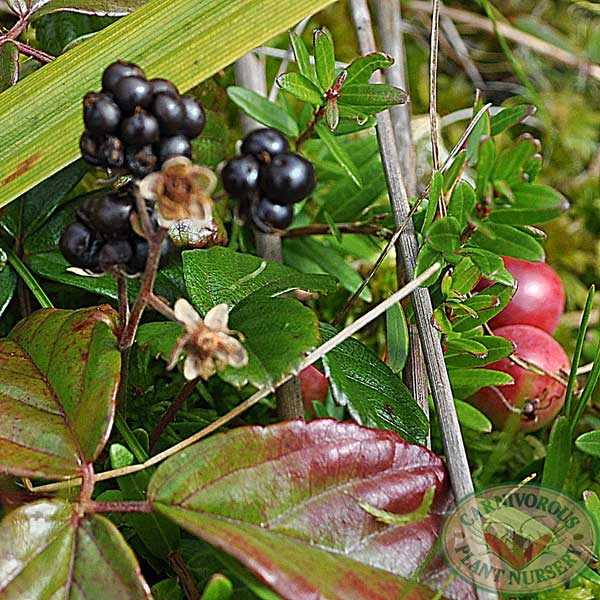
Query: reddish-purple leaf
59, 374
48, 551
285, 501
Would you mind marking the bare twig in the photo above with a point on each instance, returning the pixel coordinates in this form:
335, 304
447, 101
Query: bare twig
433, 65
322, 229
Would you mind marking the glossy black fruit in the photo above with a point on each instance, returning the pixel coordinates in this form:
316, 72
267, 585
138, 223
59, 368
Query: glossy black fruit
178, 145
139, 245
140, 161
90, 149
107, 214
169, 112
240, 176
113, 253
117, 71
264, 140
140, 129
266, 215
131, 92
288, 178
163, 86
79, 246
100, 113
112, 152
194, 120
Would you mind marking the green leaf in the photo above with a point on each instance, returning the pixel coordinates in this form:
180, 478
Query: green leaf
508, 241
302, 57
532, 204
465, 276
462, 203
111, 8
8, 285
507, 117
324, 58
589, 443
58, 386
458, 343
332, 115
480, 131
485, 167
396, 337
9, 65
487, 303
372, 98
426, 258
194, 40
435, 193
511, 161
361, 68
301, 87
454, 171
339, 153
220, 275
489, 263
444, 234
472, 418
558, 455
374, 395
465, 382
218, 588
269, 496
48, 550
167, 589
264, 111
496, 349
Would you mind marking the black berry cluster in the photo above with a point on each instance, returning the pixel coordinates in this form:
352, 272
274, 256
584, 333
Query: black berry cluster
103, 238
135, 124
267, 179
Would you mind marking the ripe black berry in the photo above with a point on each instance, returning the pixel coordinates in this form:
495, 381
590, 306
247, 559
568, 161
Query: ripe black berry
140, 161
264, 140
131, 92
194, 120
107, 214
287, 178
140, 129
100, 113
139, 245
267, 215
114, 252
178, 145
79, 246
117, 71
240, 176
90, 149
111, 152
164, 86
170, 113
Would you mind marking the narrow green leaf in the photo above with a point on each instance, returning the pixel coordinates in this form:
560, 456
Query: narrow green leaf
558, 455
9, 65
444, 235
458, 343
453, 173
465, 276
426, 258
465, 382
264, 111
435, 192
486, 304
194, 40
324, 58
102, 8
8, 285
472, 418
30, 281
301, 87
508, 241
589, 443
496, 348
510, 163
507, 117
485, 167
396, 337
361, 68
332, 115
303, 57
462, 203
480, 131
218, 588
372, 98
339, 153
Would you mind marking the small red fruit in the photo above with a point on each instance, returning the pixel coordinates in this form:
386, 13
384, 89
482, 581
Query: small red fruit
537, 397
314, 387
539, 300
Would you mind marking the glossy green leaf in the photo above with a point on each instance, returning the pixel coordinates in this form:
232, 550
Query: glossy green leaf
465, 276
426, 258
324, 58
444, 234
9, 65
462, 203
114, 8
435, 192
487, 304
58, 384
303, 57
218, 588
508, 241
167, 589
372, 98
480, 131
374, 395
301, 87
221, 275
513, 115
485, 168
589, 443
486, 261
396, 338
47, 550
472, 418
465, 382
361, 68
496, 348
339, 153
270, 496
510, 163
193, 41
453, 173
262, 110
558, 455
468, 345
8, 285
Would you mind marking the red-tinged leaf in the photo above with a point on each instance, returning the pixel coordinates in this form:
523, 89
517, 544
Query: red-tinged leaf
47, 551
285, 501
59, 374
112, 8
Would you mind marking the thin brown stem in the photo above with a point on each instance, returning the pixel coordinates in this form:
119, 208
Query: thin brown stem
160, 306
123, 301
171, 412
184, 575
38, 55
92, 506
318, 115
433, 66
322, 229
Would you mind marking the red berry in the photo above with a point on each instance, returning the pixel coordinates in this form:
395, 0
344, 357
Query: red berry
537, 397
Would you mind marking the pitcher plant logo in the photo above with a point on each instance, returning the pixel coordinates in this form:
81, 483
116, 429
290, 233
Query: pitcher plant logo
518, 540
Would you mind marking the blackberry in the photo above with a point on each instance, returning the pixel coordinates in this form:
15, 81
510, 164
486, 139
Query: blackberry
194, 117
240, 176
137, 263
177, 145
117, 71
113, 253
264, 141
90, 149
131, 92
169, 112
140, 161
79, 246
107, 214
267, 215
111, 152
163, 86
100, 113
140, 129
288, 178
